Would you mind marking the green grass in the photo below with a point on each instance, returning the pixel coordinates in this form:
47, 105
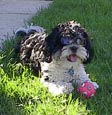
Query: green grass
21, 93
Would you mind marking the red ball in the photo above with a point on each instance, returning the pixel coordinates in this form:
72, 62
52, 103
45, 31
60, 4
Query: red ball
87, 89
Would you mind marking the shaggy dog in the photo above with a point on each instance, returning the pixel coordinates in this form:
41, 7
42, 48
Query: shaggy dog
59, 56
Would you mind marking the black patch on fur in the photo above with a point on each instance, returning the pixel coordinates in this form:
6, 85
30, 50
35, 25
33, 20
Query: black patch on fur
89, 48
53, 41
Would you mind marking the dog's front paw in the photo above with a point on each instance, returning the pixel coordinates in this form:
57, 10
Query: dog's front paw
95, 85
58, 88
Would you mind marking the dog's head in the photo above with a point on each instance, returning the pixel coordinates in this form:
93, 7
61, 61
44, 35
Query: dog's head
69, 40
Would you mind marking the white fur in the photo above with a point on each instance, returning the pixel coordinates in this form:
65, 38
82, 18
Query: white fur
60, 80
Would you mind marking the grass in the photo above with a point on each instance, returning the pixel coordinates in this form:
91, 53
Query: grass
21, 93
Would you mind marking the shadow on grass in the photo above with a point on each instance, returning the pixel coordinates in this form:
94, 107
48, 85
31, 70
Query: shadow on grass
8, 106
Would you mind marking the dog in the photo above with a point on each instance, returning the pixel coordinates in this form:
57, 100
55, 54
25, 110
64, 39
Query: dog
59, 57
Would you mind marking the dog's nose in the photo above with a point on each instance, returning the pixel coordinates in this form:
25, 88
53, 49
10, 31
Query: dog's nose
73, 48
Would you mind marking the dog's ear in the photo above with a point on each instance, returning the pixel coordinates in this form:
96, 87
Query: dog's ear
89, 48
53, 40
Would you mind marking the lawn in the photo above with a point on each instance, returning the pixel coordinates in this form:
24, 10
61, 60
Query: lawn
21, 93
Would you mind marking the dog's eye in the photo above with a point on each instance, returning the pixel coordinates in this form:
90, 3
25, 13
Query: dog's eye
78, 41
66, 40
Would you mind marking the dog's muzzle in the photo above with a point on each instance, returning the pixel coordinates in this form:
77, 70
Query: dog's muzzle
72, 57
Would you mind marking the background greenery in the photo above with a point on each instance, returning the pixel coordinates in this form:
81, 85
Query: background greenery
21, 93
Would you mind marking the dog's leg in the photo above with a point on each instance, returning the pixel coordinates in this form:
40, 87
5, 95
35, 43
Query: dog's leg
58, 88
82, 77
